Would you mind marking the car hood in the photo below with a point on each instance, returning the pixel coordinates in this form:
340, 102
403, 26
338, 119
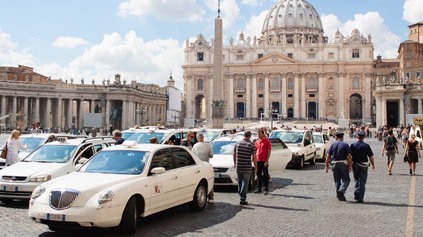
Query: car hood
294, 147
222, 161
31, 168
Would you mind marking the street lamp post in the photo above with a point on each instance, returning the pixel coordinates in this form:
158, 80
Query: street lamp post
174, 116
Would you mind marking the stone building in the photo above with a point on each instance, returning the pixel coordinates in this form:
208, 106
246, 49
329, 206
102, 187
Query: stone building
28, 97
399, 86
291, 70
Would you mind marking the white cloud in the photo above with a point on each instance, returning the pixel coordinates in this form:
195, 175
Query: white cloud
386, 42
68, 42
163, 9
229, 11
10, 55
255, 25
413, 11
253, 2
130, 56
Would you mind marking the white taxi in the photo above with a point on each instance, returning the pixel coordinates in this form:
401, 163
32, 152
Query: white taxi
322, 142
48, 161
223, 164
122, 183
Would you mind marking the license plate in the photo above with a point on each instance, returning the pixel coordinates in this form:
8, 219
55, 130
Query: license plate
10, 188
55, 217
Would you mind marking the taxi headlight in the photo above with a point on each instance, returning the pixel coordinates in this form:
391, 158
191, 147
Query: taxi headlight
38, 191
105, 196
41, 178
318, 148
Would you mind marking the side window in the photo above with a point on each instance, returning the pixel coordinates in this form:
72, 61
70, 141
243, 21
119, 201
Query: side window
276, 145
85, 151
162, 158
98, 147
182, 157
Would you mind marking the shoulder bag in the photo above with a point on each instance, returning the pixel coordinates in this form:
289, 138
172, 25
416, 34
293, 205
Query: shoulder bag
4, 152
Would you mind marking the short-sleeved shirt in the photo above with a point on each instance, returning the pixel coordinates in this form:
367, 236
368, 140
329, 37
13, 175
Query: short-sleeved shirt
244, 149
361, 151
339, 151
390, 142
262, 147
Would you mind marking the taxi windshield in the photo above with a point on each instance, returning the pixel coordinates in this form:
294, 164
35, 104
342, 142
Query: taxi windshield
223, 147
117, 162
144, 137
317, 139
288, 136
52, 154
210, 135
31, 142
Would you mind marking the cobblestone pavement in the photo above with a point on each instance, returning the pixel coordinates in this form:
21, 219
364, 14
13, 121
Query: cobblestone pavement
300, 203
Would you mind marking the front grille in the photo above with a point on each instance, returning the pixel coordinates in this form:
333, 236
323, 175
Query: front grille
222, 180
63, 198
220, 170
13, 178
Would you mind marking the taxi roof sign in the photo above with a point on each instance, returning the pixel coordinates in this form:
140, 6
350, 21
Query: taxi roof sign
418, 120
62, 139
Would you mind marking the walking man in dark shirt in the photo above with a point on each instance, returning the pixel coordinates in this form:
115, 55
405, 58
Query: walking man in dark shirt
117, 135
339, 154
361, 154
244, 153
390, 145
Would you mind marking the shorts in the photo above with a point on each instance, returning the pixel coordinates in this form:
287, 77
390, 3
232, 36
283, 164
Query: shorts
390, 156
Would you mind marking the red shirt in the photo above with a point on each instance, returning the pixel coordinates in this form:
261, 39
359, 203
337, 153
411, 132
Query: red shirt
262, 149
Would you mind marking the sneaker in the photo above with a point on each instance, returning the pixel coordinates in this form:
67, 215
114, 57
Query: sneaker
257, 191
341, 196
411, 172
360, 201
243, 203
266, 192
210, 201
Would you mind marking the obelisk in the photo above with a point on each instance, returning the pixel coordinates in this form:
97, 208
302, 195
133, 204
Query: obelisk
217, 98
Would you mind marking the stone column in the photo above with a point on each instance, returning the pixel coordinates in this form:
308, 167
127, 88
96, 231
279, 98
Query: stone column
341, 102
284, 96
81, 115
230, 104
107, 112
93, 106
266, 96
59, 113
419, 105
37, 110
69, 114
47, 116
322, 105
26, 112
3, 105
14, 110
248, 96
303, 105
296, 99
401, 113
254, 95
384, 117
367, 110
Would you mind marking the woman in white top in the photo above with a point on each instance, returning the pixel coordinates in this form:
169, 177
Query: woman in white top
13, 146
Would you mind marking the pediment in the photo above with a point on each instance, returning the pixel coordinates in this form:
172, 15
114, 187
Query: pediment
274, 58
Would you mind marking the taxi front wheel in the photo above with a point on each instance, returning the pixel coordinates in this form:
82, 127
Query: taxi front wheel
128, 224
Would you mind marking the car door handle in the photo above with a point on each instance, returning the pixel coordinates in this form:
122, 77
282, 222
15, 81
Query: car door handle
197, 171
174, 177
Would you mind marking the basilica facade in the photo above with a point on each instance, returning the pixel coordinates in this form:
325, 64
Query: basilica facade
290, 71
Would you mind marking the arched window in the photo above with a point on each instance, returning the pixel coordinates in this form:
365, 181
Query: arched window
261, 84
312, 82
275, 82
290, 84
356, 83
200, 84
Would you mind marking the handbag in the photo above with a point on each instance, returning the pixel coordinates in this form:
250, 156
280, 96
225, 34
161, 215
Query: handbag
4, 152
405, 157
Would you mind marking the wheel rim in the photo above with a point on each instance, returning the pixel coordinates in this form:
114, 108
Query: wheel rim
302, 162
201, 196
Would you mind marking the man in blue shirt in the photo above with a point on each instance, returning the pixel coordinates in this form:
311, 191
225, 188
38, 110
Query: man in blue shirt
339, 154
361, 154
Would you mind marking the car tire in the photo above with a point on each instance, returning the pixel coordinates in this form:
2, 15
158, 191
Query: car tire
313, 160
199, 200
128, 223
301, 163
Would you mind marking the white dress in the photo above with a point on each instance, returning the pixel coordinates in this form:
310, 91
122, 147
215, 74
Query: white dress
13, 146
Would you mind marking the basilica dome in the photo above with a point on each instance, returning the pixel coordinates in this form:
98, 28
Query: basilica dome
293, 18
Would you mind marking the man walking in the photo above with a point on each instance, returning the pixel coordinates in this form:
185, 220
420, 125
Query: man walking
263, 149
204, 151
244, 153
117, 135
390, 144
339, 154
361, 154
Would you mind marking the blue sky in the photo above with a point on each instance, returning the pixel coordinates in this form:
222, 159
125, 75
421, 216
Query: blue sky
143, 40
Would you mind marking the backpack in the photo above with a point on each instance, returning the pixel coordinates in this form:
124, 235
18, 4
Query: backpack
390, 144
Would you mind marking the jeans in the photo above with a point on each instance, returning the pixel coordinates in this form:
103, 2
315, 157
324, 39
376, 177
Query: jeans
341, 177
360, 178
243, 181
262, 176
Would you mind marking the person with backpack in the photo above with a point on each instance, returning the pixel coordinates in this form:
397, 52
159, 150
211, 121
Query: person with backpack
390, 145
